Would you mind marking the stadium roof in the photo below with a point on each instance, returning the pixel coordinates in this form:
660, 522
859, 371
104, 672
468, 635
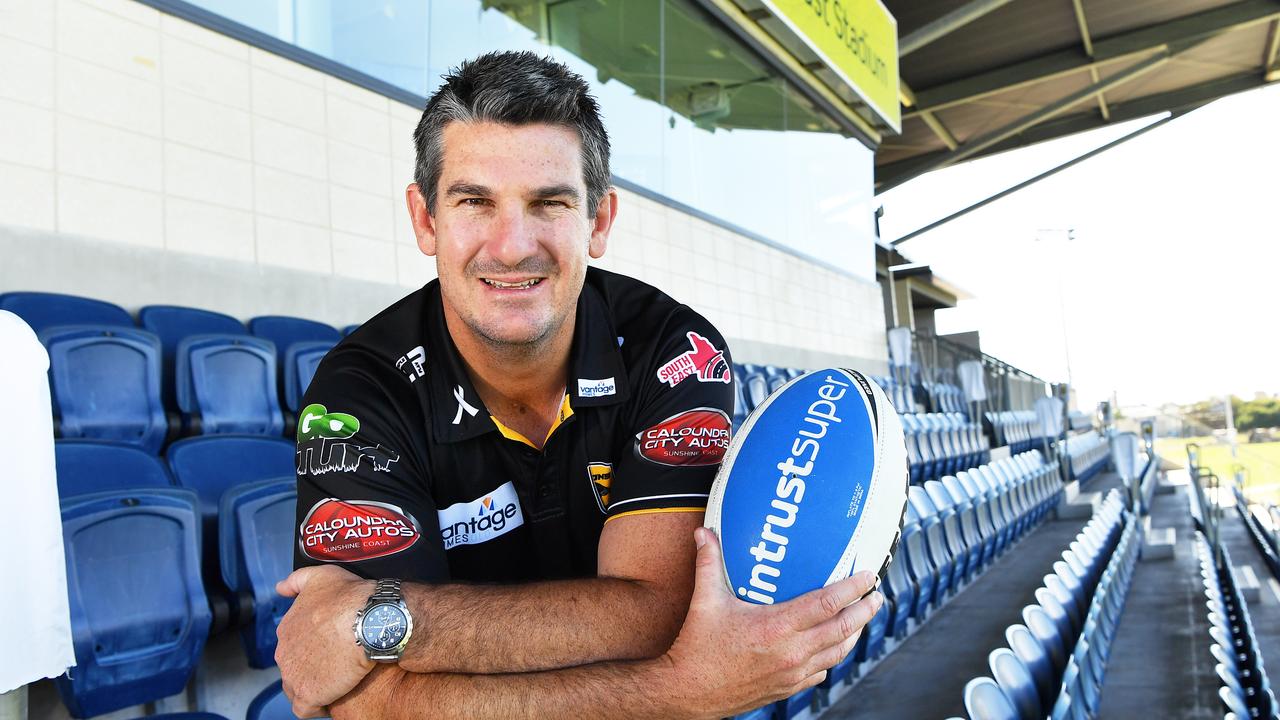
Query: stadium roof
984, 76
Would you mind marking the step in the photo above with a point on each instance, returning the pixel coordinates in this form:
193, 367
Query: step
1158, 544
1247, 583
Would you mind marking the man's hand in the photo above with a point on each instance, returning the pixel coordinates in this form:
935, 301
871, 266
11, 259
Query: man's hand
732, 656
317, 653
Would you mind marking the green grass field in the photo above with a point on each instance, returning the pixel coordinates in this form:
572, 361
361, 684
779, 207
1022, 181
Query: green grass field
1262, 460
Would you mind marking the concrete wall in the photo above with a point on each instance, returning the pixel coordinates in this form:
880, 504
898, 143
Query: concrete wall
149, 160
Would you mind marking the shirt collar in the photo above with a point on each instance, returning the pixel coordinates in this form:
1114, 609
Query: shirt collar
597, 374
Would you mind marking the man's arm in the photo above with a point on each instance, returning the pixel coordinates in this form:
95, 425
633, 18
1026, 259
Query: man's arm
730, 656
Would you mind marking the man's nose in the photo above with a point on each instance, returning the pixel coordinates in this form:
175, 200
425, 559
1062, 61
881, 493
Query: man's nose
513, 238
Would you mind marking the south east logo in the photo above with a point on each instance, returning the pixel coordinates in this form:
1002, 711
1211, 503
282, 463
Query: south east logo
321, 446
704, 361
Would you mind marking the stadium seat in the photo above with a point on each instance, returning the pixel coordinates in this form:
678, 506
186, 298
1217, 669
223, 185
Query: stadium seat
756, 385
300, 363
105, 383
741, 407
935, 542
1015, 679
213, 465
913, 548
227, 384
271, 704
349, 329
1046, 633
984, 700
1036, 659
172, 323
284, 331
45, 310
255, 538
90, 466
139, 615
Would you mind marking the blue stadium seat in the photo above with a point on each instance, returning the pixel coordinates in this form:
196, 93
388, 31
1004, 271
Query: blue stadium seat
139, 615
271, 704
1015, 679
775, 377
984, 700
44, 310
212, 465
255, 537
172, 323
350, 329
1046, 633
900, 599
795, 705
740, 405
227, 384
755, 385
285, 331
912, 547
300, 363
935, 542
768, 712
105, 383
1036, 659
90, 466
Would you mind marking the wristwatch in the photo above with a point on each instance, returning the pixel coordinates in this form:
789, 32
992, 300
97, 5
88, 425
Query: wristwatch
384, 625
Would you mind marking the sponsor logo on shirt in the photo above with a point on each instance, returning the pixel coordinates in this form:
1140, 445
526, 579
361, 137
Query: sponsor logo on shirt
601, 476
482, 519
322, 446
693, 437
350, 530
596, 388
413, 363
704, 362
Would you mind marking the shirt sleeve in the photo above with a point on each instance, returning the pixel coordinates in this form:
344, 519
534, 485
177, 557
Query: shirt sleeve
680, 428
363, 499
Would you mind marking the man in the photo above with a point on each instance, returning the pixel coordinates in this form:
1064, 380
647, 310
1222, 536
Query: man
499, 474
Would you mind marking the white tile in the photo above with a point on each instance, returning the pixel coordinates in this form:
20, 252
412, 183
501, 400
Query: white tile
358, 168
33, 82
110, 97
179, 29
356, 94
287, 68
207, 125
285, 147
92, 150
404, 120
206, 73
28, 20
127, 9
364, 258
204, 229
287, 100
652, 223
210, 177
401, 177
26, 197
402, 225
108, 39
299, 246
109, 212
359, 213
357, 124
290, 197
413, 269
27, 138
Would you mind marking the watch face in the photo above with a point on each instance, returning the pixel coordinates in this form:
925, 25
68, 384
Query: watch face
384, 626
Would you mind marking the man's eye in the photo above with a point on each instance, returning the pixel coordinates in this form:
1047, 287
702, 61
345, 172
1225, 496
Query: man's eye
552, 203
474, 202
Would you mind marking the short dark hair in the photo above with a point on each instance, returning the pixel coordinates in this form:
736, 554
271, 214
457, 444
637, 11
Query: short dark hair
513, 88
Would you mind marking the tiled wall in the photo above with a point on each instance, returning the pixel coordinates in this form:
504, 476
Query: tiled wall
126, 126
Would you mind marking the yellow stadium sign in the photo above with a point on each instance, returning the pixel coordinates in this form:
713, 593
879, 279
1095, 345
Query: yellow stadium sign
857, 40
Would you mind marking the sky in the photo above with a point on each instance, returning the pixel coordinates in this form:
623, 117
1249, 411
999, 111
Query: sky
1171, 285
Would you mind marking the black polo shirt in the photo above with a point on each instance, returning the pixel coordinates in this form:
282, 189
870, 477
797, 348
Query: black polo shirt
403, 473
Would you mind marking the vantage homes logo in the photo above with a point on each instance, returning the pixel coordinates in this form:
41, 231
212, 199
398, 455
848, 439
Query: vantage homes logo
482, 519
323, 446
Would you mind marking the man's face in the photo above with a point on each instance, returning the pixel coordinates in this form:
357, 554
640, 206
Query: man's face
511, 233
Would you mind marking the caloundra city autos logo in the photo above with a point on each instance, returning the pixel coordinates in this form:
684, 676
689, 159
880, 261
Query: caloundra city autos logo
323, 445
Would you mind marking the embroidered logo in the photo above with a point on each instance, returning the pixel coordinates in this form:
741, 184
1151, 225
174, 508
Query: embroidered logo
704, 361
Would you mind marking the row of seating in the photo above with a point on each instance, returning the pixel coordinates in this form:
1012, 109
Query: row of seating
1019, 429
135, 532
184, 372
1078, 420
1055, 662
945, 398
270, 704
754, 383
1264, 539
954, 530
941, 444
1087, 455
1246, 690
900, 394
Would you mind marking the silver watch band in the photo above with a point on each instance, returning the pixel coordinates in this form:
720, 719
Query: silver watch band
387, 590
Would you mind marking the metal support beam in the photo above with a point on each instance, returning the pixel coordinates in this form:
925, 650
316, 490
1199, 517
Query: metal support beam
1032, 181
947, 24
1128, 44
1028, 121
1087, 39
909, 98
1270, 61
1183, 99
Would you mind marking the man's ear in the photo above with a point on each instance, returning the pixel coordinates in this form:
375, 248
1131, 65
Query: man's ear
424, 225
606, 212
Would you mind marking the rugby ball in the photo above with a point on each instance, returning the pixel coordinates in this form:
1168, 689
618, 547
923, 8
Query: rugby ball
812, 489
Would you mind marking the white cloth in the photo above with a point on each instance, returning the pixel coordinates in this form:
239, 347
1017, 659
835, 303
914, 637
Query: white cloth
900, 347
1049, 412
973, 380
1124, 454
36, 630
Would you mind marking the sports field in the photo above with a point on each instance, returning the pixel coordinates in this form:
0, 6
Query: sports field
1262, 460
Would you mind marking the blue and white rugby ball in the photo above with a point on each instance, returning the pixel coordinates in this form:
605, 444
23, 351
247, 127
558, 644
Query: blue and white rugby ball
812, 489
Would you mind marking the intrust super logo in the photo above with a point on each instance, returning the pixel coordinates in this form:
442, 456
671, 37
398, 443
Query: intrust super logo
482, 519
349, 530
693, 437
